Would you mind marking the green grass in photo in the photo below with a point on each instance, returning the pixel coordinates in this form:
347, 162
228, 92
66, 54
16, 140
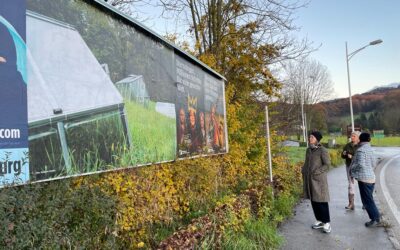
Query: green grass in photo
153, 135
94, 142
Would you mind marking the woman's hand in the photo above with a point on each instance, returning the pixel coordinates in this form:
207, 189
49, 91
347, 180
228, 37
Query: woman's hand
2, 60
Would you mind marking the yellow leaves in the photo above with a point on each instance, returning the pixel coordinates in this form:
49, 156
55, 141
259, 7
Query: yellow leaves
160, 194
210, 60
287, 177
77, 182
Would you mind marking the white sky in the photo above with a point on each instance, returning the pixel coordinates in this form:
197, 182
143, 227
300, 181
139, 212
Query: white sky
332, 23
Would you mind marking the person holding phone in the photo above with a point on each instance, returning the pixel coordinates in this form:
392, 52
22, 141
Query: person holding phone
348, 153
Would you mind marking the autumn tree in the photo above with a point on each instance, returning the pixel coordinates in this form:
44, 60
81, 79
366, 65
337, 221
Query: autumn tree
375, 121
391, 112
210, 22
248, 32
317, 117
363, 121
243, 39
306, 81
287, 118
129, 7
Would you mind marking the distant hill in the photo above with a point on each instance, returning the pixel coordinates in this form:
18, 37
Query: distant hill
385, 87
366, 102
376, 109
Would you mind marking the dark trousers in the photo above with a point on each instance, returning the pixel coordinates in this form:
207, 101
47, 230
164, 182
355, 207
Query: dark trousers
321, 211
366, 192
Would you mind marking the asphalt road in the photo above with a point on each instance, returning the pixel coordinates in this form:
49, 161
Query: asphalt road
388, 190
348, 230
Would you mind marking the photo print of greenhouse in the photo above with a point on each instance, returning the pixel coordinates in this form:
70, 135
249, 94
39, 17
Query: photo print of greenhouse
105, 92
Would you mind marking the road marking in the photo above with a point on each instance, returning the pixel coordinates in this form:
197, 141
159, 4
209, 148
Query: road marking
385, 191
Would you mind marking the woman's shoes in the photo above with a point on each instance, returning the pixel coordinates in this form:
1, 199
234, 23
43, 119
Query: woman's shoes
317, 225
326, 227
351, 202
373, 223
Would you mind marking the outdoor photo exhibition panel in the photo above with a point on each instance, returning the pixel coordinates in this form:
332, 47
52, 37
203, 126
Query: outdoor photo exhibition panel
14, 163
105, 93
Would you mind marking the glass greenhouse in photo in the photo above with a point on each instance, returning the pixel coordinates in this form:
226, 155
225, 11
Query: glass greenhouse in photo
133, 88
76, 114
104, 92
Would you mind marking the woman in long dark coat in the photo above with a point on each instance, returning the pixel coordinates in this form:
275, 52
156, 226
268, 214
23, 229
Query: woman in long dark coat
315, 181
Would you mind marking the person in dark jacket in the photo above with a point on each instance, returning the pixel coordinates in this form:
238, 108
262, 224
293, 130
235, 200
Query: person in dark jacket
315, 181
13, 90
362, 169
348, 152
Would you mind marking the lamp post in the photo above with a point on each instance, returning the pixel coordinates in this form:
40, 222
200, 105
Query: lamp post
305, 123
303, 114
348, 57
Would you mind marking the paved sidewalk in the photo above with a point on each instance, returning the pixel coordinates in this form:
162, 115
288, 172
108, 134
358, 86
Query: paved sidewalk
348, 230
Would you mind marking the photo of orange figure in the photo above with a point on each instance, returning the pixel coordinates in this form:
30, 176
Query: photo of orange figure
202, 129
221, 135
193, 132
181, 126
214, 131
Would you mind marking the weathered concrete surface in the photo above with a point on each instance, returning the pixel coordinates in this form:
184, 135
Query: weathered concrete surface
348, 230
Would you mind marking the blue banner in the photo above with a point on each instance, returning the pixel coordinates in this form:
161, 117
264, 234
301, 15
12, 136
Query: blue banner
14, 163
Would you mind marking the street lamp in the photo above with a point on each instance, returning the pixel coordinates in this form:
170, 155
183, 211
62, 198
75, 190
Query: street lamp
303, 114
348, 57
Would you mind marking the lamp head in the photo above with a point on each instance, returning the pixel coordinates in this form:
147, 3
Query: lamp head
376, 42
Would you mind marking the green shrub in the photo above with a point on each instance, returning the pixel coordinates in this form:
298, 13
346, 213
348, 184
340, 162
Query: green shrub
257, 234
53, 216
336, 159
303, 144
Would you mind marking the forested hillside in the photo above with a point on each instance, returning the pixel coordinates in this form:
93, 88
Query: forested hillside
376, 109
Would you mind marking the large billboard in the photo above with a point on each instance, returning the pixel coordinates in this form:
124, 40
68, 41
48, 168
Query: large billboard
14, 163
107, 93
200, 109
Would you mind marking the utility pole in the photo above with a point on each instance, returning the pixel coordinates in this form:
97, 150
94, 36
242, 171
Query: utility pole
268, 145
